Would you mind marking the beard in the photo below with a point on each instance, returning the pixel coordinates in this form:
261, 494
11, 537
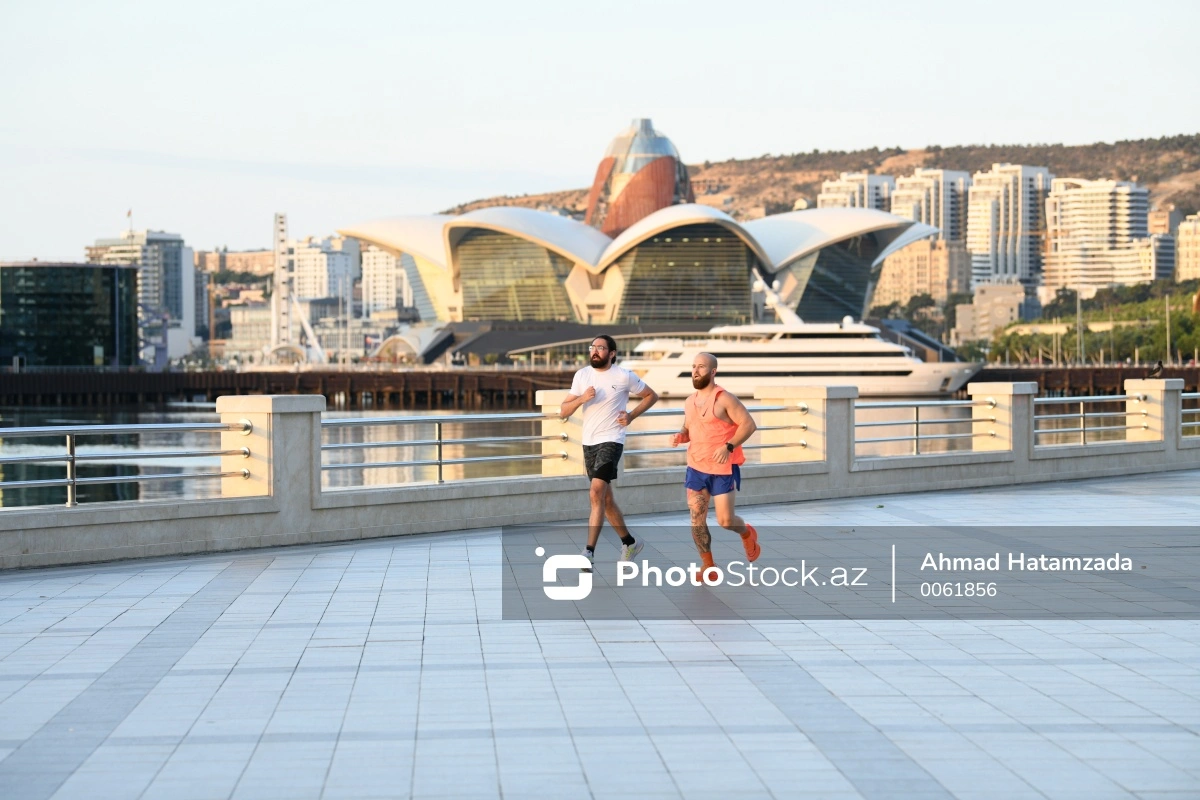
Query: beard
701, 381
597, 361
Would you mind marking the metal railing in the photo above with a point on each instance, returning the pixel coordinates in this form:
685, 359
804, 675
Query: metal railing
916, 437
1184, 413
1083, 415
678, 412
439, 442
72, 433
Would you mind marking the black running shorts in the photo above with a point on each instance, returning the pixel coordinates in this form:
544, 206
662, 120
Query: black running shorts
600, 460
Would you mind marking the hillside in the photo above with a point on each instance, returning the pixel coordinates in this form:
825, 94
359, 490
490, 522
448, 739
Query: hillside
1169, 167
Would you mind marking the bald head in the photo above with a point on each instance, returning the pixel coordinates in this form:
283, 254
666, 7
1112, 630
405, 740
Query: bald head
704, 367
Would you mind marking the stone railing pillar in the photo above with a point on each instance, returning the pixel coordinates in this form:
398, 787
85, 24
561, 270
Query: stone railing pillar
285, 447
1153, 409
817, 421
1009, 422
549, 400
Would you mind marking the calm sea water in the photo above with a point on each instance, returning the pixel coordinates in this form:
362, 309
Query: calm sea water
395, 444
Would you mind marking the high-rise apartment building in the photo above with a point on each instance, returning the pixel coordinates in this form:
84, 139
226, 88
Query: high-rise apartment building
1157, 256
166, 287
1163, 220
935, 267
1187, 249
202, 303
937, 197
1096, 236
1006, 224
857, 190
164, 263
325, 267
384, 281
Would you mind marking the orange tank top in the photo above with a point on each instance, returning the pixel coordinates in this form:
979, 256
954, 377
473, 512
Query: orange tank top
706, 433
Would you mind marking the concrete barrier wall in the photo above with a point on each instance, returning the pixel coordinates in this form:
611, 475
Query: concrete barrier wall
283, 503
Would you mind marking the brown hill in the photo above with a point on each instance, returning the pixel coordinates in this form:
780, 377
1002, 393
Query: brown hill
747, 188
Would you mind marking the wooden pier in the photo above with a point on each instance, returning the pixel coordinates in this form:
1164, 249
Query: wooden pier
1082, 381
463, 389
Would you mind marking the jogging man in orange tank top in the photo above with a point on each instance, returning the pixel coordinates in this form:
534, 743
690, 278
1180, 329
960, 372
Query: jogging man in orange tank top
715, 426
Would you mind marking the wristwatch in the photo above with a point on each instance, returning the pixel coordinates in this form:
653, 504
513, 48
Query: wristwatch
729, 446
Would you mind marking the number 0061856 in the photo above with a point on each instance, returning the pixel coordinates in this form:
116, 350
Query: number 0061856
979, 589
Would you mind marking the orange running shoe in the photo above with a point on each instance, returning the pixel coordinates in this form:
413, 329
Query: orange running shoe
750, 542
706, 561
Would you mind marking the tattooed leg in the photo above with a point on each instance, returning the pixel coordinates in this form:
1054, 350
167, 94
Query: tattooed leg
698, 504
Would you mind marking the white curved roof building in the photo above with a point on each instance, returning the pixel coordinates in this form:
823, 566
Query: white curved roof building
569, 238
420, 236
665, 220
684, 262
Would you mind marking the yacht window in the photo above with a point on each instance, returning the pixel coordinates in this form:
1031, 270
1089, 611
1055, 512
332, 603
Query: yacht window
866, 371
790, 354
838, 334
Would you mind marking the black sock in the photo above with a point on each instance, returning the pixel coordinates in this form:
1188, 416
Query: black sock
627, 540
591, 551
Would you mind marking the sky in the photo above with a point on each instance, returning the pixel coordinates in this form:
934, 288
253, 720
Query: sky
205, 119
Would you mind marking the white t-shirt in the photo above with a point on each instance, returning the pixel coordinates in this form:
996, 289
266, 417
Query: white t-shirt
613, 387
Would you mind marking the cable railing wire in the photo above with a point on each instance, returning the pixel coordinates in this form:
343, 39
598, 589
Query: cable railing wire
440, 441
71, 458
1083, 415
916, 437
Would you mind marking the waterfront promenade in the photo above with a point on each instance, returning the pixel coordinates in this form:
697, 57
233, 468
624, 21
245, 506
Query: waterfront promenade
381, 668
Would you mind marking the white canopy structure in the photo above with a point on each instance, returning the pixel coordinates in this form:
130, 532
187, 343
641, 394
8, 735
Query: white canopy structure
791, 236
569, 238
526, 264
671, 217
417, 235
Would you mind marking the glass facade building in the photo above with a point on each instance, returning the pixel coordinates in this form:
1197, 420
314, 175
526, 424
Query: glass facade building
68, 314
694, 272
504, 277
833, 282
683, 263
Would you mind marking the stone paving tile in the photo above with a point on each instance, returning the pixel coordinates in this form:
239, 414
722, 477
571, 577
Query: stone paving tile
381, 669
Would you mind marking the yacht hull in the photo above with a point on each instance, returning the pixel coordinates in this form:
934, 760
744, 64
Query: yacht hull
923, 379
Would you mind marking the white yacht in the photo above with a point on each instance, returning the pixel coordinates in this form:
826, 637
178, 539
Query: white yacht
795, 353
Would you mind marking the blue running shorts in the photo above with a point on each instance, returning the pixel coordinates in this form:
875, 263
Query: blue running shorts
715, 485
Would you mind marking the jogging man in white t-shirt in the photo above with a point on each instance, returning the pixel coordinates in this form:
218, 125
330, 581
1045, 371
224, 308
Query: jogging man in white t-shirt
603, 390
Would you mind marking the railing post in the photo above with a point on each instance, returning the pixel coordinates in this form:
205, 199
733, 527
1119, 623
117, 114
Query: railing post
916, 430
820, 421
437, 429
1006, 425
285, 447
1082, 423
71, 493
1153, 406
549, 400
